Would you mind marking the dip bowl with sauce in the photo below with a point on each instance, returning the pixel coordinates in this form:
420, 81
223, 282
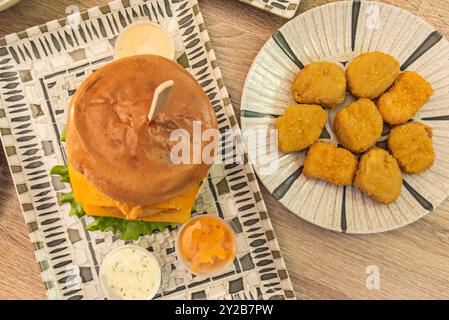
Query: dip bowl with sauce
206, 245
130, 272
144, 37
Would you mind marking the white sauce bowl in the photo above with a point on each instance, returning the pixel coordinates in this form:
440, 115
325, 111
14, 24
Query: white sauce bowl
122, 255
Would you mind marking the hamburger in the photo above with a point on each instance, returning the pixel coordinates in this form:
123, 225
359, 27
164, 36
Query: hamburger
119, 164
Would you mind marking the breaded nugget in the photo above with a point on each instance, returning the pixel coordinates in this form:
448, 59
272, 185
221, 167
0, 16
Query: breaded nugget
411, 145
300, 126
408, 94
327, 162
379, 176
322, 83
359, 125
371, 74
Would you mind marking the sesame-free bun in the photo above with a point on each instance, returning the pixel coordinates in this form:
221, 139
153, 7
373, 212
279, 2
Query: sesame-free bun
111, 142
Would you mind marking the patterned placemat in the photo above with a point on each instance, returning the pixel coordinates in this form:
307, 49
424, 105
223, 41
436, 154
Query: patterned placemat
40, 70
283, 8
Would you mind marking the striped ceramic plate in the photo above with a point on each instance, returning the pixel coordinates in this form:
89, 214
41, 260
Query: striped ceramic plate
339, 32
283, 8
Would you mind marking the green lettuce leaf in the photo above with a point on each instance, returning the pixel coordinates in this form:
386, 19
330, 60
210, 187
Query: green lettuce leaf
63, 134
75, 208
129, 230
61, 171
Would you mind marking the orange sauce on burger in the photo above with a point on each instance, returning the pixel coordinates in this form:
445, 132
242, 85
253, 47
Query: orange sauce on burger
206, 245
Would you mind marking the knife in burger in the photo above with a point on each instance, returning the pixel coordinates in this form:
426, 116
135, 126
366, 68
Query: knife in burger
119, 163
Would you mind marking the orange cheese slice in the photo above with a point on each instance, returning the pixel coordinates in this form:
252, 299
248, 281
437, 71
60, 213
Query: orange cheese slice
86, 193
94, 211
96, 203
175, 216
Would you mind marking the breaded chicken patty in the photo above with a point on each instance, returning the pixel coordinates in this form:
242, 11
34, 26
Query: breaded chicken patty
371, 74
327, 162
300, 126
359, 125
411, 145
322, 83
379, 176
407, 96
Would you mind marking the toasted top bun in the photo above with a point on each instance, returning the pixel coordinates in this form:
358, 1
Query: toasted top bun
111, 142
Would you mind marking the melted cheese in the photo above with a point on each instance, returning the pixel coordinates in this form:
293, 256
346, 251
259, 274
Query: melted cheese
96, 203
175, 216
86, 193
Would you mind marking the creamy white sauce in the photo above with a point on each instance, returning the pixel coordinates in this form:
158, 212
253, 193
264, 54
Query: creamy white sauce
144, 38
130, 273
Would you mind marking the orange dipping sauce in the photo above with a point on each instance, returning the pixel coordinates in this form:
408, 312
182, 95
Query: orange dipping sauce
206, 245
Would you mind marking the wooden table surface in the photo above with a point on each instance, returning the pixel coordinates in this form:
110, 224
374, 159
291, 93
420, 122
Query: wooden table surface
413, 261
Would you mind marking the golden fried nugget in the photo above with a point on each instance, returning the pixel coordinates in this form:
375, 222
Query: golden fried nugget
411, 145
327, 162
322, 83
300, 126
408, 94
371, 74
359, 125
379, 176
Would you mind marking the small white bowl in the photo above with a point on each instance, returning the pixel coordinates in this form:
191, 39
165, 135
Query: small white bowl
163, 35
105, 287
217, 271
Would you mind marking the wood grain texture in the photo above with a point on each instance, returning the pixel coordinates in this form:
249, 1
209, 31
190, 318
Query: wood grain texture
413, 261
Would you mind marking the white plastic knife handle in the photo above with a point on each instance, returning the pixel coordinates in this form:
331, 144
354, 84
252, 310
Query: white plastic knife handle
161, 97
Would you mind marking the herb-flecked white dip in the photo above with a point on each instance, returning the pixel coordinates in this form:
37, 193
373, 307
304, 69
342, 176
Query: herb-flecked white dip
130, 273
